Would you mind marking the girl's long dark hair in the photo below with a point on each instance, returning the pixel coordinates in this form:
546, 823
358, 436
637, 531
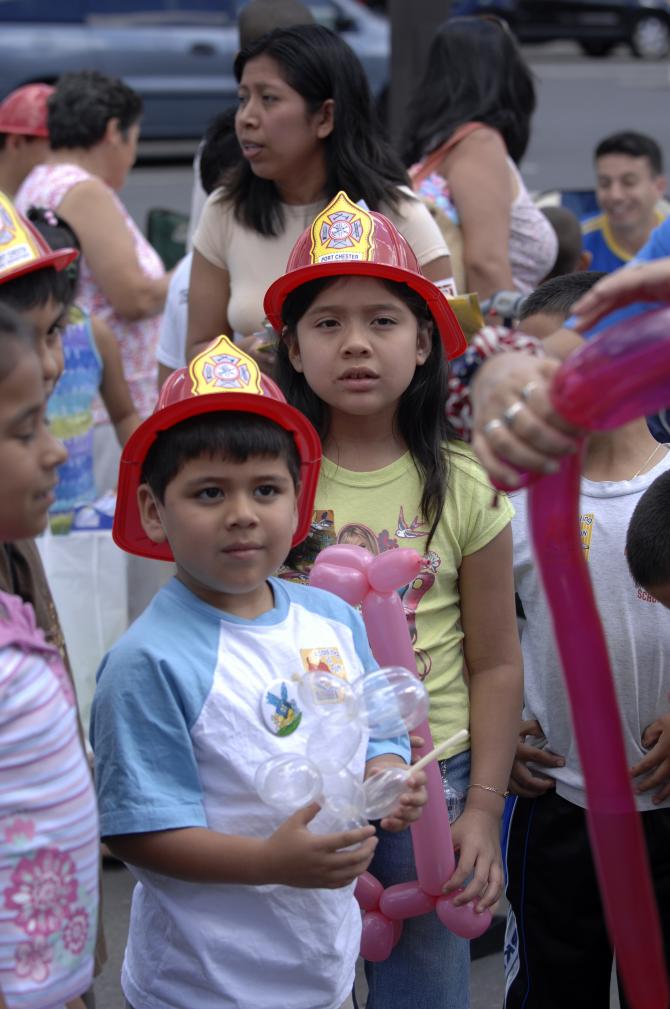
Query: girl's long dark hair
474, 72
420, 419
359, 159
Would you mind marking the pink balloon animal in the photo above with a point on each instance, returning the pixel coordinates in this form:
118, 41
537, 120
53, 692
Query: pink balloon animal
622, 374
361, 579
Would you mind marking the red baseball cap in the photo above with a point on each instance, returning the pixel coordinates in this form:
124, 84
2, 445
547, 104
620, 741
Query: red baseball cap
22, 248
346, 239
221, 378
25, 110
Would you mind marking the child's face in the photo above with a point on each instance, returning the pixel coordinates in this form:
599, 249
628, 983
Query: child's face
49, 320
29, 454
229, 525
358, 346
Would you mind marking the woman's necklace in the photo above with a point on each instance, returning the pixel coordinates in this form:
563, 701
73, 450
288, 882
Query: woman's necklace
648, 460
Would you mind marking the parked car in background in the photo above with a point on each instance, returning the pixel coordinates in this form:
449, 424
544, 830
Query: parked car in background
598, 26
177, 54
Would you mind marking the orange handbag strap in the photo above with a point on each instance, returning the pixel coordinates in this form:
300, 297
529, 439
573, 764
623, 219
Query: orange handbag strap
431, 163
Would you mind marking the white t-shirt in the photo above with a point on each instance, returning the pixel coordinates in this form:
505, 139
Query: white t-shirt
255, 261
178, 732
636, 627
172, 337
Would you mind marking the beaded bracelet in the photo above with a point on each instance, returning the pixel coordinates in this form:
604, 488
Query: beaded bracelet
491, 788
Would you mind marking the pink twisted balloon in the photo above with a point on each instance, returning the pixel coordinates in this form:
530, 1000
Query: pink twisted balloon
621, 375
372, 582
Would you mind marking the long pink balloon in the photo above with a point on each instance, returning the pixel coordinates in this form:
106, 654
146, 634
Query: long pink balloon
622, 374
372, 582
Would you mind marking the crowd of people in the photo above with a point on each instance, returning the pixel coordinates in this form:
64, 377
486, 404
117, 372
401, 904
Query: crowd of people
299, 381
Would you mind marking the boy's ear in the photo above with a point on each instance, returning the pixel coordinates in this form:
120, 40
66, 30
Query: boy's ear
294, 352
112, 132
150, 514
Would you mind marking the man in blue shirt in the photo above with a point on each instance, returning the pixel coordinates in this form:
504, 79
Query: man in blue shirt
629, 184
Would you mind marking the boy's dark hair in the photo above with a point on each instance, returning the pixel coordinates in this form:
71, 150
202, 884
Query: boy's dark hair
420, 419
227, 434
262, 16
82, 105
15, 334
220, 150
570, 242
648, 538
558, 295
474, 72
635, 145
33, 290
359, 159
59, 235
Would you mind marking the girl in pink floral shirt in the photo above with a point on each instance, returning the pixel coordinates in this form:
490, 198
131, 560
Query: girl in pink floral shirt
48, 821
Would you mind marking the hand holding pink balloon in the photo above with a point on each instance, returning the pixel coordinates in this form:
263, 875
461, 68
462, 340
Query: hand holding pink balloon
622, 374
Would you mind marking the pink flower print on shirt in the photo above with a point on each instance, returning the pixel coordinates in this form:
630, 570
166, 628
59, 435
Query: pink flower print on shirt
19, 831
33, 959
43, 890
75, 931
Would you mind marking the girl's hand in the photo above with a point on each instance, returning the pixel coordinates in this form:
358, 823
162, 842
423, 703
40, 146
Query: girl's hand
656, 764
536, 438
476, 837
522, 780
296, 857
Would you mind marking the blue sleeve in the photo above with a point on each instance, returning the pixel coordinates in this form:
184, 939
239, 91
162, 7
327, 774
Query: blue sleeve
145, 769
657, 245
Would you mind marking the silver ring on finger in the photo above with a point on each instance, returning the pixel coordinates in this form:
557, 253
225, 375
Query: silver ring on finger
510, 413
527, 390
492, 425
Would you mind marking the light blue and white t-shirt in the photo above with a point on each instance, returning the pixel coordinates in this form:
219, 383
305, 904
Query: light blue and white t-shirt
178, 732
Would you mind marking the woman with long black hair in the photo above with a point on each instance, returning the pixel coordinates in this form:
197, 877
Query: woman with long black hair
468, 127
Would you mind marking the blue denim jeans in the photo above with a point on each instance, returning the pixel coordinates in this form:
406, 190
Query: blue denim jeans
430, 966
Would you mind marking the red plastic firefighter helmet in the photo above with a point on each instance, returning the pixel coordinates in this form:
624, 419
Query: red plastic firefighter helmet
347, 239
222, 377
22, 248
24, 111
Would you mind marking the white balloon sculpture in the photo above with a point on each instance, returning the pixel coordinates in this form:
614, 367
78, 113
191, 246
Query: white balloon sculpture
383, 704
